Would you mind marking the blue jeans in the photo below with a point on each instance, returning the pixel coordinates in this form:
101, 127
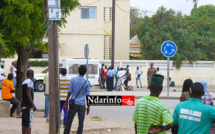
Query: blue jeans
65, 112
46, 105
81, 115
102, 82
116, 82
14, 82
138, 79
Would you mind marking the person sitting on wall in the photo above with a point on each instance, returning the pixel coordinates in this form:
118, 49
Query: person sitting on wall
171, 83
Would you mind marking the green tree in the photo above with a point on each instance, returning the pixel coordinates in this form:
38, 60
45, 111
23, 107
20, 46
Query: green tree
23, 28
191, 34
135, 15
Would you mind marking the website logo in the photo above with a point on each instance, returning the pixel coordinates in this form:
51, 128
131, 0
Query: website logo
94, 100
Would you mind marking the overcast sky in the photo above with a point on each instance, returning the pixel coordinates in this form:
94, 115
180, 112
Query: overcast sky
177, 5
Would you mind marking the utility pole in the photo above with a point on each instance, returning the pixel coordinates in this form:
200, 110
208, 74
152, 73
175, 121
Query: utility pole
54, 12
54, 99
113, 32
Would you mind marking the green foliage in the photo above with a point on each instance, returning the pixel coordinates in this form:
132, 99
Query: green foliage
22, 23
36, 63
193, 35
134, 20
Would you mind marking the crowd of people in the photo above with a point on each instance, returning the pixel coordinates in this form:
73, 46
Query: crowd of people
122, 75
195, 113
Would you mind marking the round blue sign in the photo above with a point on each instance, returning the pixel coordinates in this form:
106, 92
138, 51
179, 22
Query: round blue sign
168, 48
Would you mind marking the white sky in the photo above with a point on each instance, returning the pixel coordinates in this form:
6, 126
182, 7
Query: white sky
178, 5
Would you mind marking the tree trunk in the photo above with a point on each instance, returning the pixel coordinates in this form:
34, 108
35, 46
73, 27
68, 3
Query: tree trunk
22, 64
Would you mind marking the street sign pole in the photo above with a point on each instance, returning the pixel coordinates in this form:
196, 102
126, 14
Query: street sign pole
167, 76
168, 49
86, 54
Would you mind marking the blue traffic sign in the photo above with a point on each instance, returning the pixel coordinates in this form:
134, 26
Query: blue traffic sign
168, 48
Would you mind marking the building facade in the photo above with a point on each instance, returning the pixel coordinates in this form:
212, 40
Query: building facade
91, 24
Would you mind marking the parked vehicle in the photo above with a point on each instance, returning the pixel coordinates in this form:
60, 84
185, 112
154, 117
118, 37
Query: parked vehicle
72, 70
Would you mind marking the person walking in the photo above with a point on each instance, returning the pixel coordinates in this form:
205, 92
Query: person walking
46, 93
79, 88
150, 113
7, 90
150, 71
116, 79
2, 75
138, 73
27, 103
64, 86
158, 71
192, 116
102, 78
110, 75
13, 71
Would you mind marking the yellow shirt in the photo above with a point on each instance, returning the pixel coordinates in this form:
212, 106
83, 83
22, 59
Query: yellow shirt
7, 86
46, 82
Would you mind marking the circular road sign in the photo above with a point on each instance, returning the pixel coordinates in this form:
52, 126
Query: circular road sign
168, 48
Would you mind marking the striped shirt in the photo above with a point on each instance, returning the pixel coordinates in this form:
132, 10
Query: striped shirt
64, 86
150, 111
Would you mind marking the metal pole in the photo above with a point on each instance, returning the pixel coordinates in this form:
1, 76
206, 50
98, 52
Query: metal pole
113, 32
54, 93
167, 76
87, 67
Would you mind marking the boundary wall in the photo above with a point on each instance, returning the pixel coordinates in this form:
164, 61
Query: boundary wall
196, 71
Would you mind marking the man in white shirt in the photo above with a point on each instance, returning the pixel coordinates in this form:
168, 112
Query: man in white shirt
138, 73
2, 75
158, 71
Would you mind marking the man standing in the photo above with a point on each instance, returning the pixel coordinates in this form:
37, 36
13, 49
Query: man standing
150, 113
110, 75
27, 103
116, 79
7, 89
192, 116
77, 84
64, 86
150, 71
2, 75
128, 78
102, 76
138, 73
46, 93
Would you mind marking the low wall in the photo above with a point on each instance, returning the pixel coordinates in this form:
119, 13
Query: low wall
4, 108
196, 71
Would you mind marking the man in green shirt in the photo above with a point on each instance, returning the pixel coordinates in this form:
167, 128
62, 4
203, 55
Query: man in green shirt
150, 113
192, 116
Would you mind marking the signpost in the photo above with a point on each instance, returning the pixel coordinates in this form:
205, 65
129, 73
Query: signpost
86, 54
54, 97
168, 49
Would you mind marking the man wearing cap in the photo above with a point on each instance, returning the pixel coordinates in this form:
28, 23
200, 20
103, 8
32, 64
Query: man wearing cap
150, 113
192, 116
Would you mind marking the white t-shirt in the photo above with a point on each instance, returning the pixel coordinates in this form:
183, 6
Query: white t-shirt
1, 72
14, 72
121, 73
138, 72
159, 72
29, 83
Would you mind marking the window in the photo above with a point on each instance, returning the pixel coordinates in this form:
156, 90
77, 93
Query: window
88, 13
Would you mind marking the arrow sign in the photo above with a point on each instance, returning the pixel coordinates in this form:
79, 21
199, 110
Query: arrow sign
168, 48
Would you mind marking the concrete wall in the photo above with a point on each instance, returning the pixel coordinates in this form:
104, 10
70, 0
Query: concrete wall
196, 71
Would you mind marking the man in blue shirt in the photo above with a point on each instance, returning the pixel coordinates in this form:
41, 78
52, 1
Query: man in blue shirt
79, 106
110, 75
191, 116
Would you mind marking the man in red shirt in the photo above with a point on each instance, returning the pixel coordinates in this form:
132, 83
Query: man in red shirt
102, 76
